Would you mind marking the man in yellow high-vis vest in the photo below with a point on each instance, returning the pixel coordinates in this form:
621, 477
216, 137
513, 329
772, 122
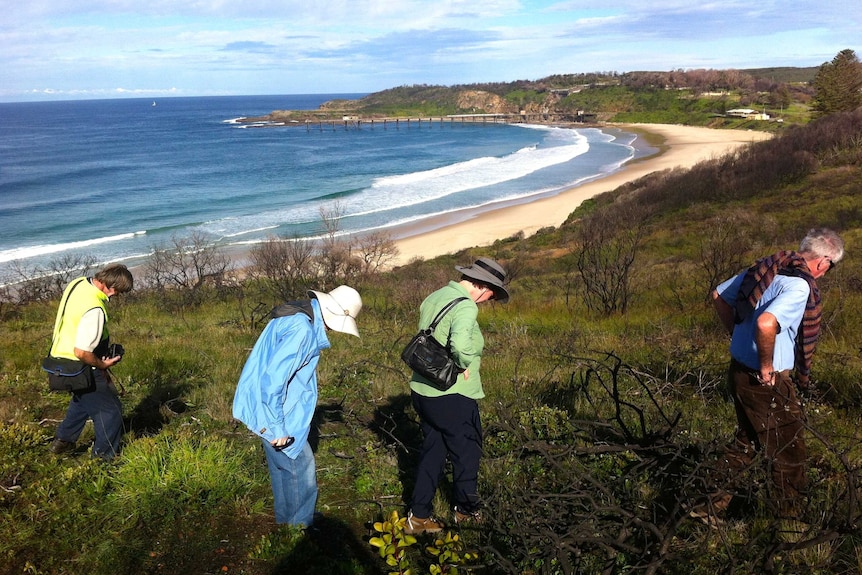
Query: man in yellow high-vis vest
81, 333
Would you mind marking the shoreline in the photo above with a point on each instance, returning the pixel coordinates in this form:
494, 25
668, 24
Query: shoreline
679, 147
675, 146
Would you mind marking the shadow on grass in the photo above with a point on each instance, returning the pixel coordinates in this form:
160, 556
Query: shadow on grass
156, 409
396, 423
329, 548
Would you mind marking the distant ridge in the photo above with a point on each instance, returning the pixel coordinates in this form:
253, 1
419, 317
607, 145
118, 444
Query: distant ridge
784, 74
695, 97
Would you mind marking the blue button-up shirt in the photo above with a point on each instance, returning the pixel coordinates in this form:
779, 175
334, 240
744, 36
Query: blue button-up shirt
785, 298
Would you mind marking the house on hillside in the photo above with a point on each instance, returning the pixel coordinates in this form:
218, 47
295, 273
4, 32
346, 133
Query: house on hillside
747, 113
740, 112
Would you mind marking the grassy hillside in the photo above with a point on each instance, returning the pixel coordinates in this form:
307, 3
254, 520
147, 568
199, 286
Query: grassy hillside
786, 74
692, 97
605, 409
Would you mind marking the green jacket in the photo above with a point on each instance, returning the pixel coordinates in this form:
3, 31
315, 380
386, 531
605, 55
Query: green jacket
460, 328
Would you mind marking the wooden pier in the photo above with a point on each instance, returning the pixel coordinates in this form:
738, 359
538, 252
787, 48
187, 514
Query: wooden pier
355, 122
347, 122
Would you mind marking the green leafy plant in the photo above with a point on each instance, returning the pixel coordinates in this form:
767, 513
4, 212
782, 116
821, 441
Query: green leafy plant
448, 550
393, 543
450, 553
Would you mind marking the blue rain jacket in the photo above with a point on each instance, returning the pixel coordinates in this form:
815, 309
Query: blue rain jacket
277, 390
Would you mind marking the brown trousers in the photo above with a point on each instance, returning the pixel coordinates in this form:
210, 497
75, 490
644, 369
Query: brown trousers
771, 421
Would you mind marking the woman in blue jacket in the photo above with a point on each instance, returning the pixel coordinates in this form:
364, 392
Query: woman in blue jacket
277, 393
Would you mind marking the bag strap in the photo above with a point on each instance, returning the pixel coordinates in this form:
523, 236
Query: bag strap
443, 312
59, 322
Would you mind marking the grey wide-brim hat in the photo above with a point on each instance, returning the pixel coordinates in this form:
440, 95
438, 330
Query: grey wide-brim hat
490, 273
339, 308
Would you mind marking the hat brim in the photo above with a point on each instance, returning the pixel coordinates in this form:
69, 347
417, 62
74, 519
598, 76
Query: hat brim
501, 294
333, 315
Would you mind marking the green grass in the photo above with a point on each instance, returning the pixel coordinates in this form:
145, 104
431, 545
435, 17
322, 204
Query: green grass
190, 493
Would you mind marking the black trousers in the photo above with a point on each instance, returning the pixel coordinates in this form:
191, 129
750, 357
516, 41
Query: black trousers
451, 428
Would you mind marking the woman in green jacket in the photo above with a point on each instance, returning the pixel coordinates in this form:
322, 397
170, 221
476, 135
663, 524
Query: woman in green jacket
450, 419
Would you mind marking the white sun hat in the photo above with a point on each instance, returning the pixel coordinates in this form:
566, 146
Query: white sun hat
340, 308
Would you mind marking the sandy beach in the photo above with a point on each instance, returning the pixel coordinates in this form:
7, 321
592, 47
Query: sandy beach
682, 146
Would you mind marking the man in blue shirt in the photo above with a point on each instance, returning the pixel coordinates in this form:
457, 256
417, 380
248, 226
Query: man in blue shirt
772, 311
277, 393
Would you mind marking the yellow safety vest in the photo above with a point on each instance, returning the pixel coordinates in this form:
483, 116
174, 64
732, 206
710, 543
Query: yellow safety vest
79, 297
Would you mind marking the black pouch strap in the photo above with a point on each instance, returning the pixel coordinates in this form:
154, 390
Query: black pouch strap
63, 313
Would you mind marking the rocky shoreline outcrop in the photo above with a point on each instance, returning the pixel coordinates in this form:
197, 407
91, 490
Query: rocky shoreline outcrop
466, 103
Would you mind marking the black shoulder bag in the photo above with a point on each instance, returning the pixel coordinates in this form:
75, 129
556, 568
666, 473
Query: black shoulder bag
431, 359
68, 374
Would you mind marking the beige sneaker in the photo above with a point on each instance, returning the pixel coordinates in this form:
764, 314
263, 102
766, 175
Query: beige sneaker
461, 517
708, 511
416, 525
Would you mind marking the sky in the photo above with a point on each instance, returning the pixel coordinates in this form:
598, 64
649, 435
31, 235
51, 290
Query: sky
82, 49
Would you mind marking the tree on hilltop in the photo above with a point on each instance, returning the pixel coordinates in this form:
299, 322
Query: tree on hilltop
838, 84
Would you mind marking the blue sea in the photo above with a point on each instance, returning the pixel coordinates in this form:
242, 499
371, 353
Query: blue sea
115, 179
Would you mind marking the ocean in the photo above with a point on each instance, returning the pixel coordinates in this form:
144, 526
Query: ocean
116, 179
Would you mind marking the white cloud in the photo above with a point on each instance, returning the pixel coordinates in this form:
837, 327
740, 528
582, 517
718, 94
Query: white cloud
277, 46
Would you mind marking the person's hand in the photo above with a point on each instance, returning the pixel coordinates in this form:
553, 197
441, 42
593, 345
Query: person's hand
767, 376
282, 442
466, 374
111, 361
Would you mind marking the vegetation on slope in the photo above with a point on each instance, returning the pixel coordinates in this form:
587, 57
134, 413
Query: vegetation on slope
605, 404
701, 97
694, 97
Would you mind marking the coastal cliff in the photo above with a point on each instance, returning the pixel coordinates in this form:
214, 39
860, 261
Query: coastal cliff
694, 97
440, 102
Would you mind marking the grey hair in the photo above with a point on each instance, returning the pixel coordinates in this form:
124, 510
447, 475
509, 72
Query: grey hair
823, 242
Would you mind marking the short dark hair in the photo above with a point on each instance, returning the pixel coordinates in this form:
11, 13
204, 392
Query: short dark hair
116, 276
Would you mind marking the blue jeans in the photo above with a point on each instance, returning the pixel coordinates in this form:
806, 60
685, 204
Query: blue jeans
104, 408
294, 485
